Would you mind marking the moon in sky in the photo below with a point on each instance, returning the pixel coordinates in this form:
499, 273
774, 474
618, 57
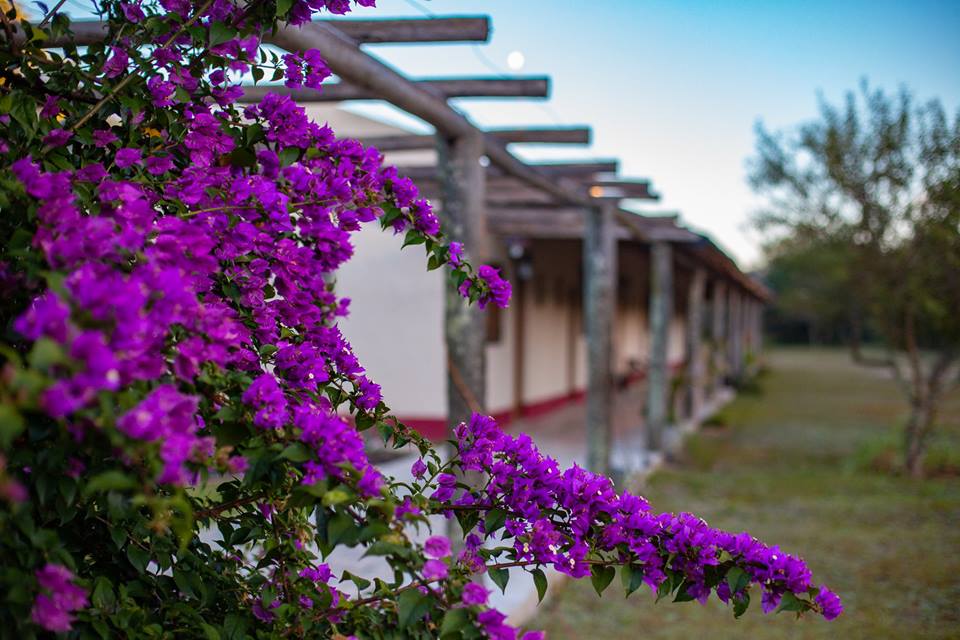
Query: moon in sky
515, 60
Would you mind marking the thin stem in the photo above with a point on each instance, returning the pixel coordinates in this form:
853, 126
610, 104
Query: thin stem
50, 14
212, 512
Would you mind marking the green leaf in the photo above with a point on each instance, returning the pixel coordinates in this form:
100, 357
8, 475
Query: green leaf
103, 597
737, 579
494, 519
683, 592
210, 632
500, 577
119, 537
412, 606
362, 583
289, 155
342, 530
454, 620
740, 604
540, 581
241, 157
413, 237
335, 497
234, 627
790, 602
283, 7
138, 557
296, 452
601, 576
46, 353
113, 480
631, 578
11, 425
220, 33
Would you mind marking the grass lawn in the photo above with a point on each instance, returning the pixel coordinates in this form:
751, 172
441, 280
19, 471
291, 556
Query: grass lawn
789, 466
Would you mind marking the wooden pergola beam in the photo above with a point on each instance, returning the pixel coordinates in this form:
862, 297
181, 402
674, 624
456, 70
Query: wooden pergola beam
403, 30
521, 87
537, 135
569, 169
620, 189
543, 135
387, 31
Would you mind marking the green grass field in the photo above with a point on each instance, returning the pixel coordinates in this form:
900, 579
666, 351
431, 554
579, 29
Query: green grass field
792, 466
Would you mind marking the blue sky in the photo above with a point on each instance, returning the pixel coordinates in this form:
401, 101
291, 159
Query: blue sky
674, 88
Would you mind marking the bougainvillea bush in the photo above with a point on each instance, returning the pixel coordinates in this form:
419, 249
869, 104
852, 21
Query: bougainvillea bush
180, 417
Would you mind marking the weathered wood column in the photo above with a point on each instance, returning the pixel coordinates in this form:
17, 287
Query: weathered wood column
599, 300
757, 329
660, 314
463, 193
735, 333
718, 354
694, 363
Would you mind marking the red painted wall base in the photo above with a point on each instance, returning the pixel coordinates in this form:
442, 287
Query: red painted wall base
436, 428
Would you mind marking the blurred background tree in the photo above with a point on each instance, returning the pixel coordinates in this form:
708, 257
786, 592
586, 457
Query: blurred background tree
863, 228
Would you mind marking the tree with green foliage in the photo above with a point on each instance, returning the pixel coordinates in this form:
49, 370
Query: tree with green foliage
868, 198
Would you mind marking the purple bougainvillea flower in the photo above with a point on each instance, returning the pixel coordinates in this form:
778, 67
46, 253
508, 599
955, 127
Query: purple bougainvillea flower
53, 608
437, 547
57, 137
474, 594
434, 570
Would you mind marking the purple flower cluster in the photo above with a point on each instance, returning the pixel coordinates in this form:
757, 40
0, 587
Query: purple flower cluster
59, 598
171, 314
306, 69
170, 417
492, 287
558, 517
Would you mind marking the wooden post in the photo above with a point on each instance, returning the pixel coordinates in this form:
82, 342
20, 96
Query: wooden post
518, 307
735, 334
658, 374
717, 333
462, 215
757, 329
599, 299
694, 343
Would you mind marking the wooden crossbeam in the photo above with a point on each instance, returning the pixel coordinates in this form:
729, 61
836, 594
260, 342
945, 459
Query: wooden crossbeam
543, 135
537, 135
393, 30
618, 189
587, 168
558, 169
411, 142
520, 87
388, 31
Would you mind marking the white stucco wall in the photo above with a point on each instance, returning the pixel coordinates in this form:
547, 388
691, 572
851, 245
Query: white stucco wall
500, 363
396, 321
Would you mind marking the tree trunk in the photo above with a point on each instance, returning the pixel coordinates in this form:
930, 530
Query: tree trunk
915, 438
